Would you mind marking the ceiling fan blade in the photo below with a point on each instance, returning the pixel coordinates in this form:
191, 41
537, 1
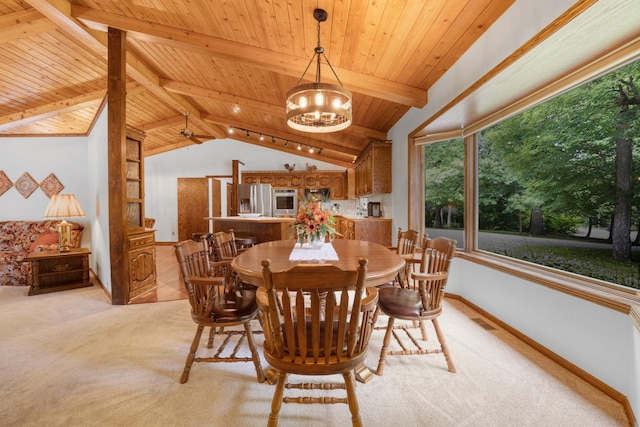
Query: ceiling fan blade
205, 137
196, 140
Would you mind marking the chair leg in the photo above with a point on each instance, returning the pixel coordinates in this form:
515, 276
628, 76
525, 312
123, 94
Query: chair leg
443, 345
212, 333
254, 352
385, 346
192, 355
423, 330
276, 403
349, 380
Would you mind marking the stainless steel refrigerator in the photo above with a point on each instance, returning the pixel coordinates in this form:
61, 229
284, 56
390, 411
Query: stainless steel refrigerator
254, 199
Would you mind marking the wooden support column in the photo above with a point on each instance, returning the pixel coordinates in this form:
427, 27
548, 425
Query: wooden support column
117, 133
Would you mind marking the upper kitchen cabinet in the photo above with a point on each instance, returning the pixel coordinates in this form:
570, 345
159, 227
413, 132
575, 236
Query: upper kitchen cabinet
335, 181
276, 179
373, 170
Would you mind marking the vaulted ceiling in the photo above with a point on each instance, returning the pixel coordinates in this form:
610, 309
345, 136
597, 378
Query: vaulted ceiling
228, 64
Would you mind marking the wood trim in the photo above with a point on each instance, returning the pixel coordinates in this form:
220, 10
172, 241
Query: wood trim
577, 371
470, 235
598, 292
117, 133
549, 30
415, 186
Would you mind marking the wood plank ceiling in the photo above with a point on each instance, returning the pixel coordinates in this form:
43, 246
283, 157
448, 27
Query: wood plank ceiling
228, 64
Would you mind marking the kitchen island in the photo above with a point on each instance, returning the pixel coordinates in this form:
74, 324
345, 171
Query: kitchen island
356, 227
262, 228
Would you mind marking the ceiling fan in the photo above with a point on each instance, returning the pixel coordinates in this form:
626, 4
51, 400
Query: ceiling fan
188, 133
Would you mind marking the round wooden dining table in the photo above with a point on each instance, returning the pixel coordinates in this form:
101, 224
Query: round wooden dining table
383, 264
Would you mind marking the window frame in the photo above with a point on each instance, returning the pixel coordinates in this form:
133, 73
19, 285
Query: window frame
616, 297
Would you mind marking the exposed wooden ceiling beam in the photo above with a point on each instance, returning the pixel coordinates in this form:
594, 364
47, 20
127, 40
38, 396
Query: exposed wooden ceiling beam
59, 107
265, 59
59, 11
263, 107
282, 135
18, 25
49, 110
291, 149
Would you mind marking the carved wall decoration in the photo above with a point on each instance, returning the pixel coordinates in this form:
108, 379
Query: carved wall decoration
5, 183
51, 185
26, 185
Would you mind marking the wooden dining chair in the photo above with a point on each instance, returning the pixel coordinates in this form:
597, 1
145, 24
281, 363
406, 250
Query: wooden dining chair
225, 249
317, 320
406, 248
419, 302
216, 303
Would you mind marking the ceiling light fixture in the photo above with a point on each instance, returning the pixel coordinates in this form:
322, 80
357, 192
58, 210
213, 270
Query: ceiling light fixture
262, 136
319, 107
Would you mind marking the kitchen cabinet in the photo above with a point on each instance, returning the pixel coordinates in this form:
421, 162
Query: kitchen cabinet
373, 170
336, 181
376, 230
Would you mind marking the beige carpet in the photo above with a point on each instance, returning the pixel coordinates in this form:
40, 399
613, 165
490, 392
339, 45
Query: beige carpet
71, 359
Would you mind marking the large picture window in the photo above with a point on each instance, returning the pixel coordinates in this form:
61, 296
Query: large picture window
559, 184
444, 189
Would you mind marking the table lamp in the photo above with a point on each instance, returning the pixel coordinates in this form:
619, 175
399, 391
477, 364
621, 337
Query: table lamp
64, 206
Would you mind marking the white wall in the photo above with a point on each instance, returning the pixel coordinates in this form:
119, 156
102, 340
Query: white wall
98, 181
600, 341
65, 157
162, 171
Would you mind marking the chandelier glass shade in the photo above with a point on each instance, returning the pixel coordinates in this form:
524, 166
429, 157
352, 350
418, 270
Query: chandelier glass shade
319, 107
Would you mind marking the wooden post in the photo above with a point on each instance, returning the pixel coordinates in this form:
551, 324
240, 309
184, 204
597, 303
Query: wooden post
116, 98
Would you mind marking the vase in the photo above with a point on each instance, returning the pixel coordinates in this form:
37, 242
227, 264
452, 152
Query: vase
315, 240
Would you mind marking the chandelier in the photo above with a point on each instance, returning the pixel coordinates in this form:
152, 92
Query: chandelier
319, 107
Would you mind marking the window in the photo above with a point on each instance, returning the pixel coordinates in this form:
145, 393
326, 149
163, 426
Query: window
547, 181
444, 189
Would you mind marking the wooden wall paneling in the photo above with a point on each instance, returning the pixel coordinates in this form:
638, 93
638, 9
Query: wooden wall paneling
231, 198
116, 97
214, 197
193, 206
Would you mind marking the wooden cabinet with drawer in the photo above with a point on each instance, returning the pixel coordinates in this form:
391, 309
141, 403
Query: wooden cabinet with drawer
141, 255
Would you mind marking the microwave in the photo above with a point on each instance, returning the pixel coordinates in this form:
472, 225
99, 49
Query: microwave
285, 202
323, 194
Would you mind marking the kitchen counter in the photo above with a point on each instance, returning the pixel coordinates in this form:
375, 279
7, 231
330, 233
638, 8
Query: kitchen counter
265, 219
262, 228
363, 218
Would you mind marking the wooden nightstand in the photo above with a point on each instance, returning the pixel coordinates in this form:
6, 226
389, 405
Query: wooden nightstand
57, 271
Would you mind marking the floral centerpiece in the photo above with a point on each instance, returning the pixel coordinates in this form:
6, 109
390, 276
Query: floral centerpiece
313, 223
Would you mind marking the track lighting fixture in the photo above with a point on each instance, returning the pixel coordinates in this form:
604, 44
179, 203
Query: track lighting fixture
261, 136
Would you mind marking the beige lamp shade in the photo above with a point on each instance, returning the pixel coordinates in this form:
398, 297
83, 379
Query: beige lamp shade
64, 206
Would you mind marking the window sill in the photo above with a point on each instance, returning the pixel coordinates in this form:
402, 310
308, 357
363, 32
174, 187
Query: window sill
619, 298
